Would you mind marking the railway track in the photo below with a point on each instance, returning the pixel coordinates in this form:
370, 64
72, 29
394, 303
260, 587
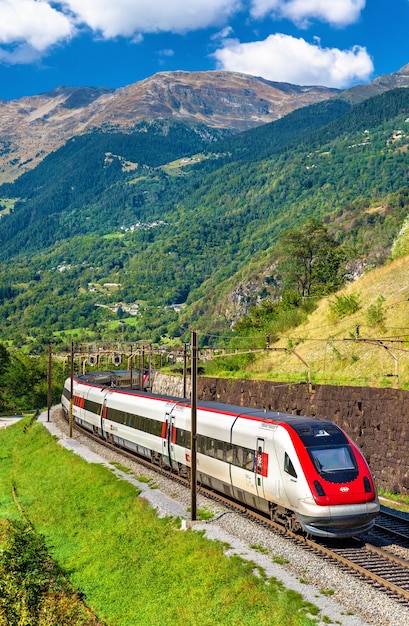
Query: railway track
371, 560
382, 568
393, 524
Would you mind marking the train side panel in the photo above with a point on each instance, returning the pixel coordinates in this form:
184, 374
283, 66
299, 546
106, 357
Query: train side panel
213, 450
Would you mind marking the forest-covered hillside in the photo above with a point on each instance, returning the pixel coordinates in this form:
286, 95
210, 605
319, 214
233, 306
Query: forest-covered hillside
138, 235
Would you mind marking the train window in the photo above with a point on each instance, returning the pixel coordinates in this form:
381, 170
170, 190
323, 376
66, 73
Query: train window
211, 448
332, 459
238, 456
229, 455
288, 466
183, 438
115, 415
220, 450
335, 463
93, 407
249, 459
157, 428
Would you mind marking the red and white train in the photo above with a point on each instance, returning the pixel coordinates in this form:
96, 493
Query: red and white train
304, 472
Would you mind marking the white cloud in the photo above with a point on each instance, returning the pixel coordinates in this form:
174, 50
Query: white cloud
114, 18
28, 28
283, 58
27, 25
335, 12
223, 34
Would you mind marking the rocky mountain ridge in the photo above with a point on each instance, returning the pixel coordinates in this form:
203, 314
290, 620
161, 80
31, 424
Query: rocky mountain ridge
32, 127
378, 85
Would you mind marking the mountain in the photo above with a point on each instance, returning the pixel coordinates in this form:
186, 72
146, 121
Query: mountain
379, 85
180, 224
180, 221
91, 170
32, 127
84, 172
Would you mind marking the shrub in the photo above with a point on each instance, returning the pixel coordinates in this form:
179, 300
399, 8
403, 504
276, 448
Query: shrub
344, 305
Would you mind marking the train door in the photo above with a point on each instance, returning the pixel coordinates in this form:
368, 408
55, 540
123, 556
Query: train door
103, 415
288, 475
168, 440
261, 467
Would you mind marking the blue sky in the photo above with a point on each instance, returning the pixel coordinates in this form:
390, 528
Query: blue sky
113, 43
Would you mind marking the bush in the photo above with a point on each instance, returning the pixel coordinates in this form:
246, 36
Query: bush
33, 590
344, 305
375, 315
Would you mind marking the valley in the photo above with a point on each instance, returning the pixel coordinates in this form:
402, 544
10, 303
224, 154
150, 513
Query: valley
185, 223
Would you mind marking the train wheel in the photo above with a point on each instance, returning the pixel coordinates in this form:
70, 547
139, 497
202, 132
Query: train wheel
157, 459
293, 523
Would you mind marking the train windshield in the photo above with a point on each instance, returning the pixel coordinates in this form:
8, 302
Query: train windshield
334, 463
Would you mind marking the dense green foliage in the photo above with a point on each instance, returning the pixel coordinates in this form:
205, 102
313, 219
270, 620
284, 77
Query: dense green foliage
33, 590
91, 230
261, 142
25, 381
131, 567
78, 174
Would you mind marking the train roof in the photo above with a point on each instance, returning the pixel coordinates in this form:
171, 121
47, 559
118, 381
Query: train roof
306, 427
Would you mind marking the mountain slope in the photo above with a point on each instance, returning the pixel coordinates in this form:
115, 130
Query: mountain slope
32, 127
80, 174
379, 85
364, 347
196, 232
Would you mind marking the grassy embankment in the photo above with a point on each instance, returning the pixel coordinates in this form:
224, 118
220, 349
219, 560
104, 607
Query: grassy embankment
359, 336
132, 567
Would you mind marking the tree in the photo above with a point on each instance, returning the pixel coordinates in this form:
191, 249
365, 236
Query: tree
312, 262
4, 359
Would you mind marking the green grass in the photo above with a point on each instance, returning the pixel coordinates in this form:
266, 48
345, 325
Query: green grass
121, 468
149, 481
8, 205
132, 567
394, 500
360, 340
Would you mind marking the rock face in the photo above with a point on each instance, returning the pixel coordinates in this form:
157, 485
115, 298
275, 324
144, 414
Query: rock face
32, 127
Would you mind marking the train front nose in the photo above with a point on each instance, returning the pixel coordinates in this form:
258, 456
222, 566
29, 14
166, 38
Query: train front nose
341, 521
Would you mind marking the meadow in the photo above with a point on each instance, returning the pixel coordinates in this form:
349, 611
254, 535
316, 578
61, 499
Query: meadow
129, 566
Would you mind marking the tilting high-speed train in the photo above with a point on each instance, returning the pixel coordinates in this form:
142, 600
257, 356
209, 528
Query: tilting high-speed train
304, 472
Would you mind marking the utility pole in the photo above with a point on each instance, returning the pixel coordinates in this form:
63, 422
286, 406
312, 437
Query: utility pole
184, 368
72, 387
49, 381
130, 367
193, 427
142, 369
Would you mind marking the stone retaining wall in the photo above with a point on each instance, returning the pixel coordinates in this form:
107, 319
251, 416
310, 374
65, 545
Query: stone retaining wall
376, 419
